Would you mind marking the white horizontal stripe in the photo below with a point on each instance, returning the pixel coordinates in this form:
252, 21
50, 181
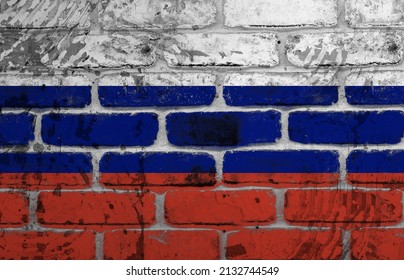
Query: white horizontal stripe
57, 80
282, 79
163, 79
385, 78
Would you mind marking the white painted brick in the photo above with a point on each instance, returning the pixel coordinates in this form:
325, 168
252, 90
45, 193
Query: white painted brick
368, 13
56, 80
123, 14
76, 50
280, 13
159, 79
382, 78
199, 50
345, 49
45, 13
282, 79
107, 51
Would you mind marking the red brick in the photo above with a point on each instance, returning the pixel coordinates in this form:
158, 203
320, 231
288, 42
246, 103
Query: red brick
47, 245
224, 209
95, 210
377, 244
344, 208
13, 210
161, 245
279, 244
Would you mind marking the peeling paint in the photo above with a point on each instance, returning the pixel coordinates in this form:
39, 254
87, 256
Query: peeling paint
30, 14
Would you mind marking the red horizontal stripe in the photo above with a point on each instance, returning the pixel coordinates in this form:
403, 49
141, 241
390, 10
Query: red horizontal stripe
281, 180
377, 180
44, 181
130, 180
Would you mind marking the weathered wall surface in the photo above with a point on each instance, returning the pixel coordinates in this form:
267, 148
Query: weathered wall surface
201, 129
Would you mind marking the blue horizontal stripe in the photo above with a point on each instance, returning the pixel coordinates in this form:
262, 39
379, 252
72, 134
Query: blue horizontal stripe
223, 128
281, 162
150, 96
45, 163
280, 95
157, 163
362, 127
100, 129
376, 162
45, 96
16, 129
375, 95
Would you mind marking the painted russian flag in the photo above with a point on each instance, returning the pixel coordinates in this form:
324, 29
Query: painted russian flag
151, 90
281, 169
45, 171
383, 169
27, 91
157, 170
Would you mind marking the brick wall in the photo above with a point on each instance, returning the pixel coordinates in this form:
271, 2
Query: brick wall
201, 129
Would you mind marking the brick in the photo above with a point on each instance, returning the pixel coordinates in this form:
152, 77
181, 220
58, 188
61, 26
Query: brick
349, 127
284, 89
281, 244
351, 208
384, 169
46, 14
365, 13
30, 245
155, 90
375, 88
40, 51
281, 169
157, 171
95, 210
280, 13
13, 210
222, 209
100, 129
28, 91
161, 245
377, 244
223, 128
213, 49
35, 171
126, 14
16, 129
345, 49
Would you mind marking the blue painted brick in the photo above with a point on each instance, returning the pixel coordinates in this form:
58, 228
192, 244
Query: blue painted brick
223, 128
281, 169
150, 96
45, 163
288, 161
45, 96
376, 162
361, 127
375, 95
16, 129
100, 129
280, 95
